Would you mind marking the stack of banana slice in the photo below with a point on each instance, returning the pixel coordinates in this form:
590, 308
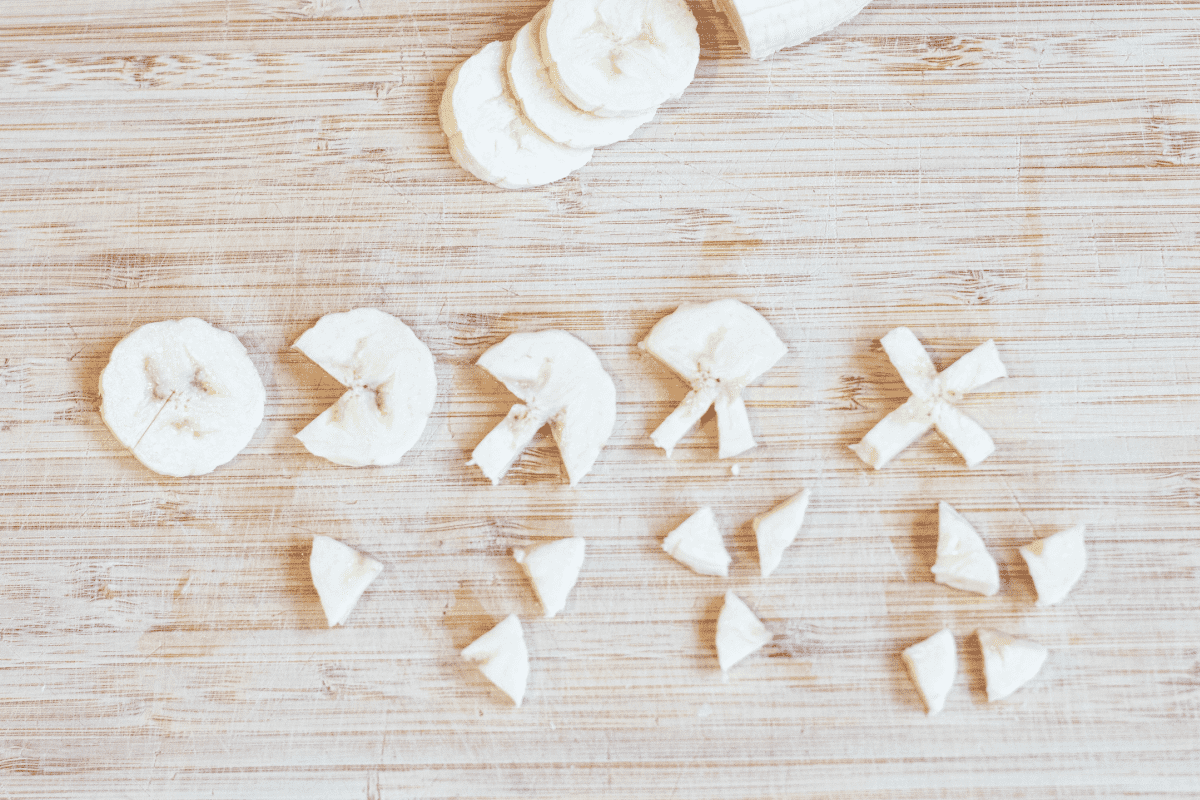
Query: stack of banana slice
581, 74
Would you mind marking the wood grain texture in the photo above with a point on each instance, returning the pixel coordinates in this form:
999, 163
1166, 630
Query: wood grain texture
1027, 172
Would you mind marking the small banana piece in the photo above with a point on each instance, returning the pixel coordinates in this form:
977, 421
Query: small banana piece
502, 657
182, 395
552, 568
620, 58
1056, 563
962, 559
340, 575
932, 665
390, 384
490, 137
697, 544
560, 381
766, 26
775, 530
1008, 663
547, 108
718, 348
739, 632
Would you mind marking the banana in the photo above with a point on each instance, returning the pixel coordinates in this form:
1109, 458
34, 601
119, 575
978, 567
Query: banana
775, 530
739, 632
547, 108
1008, 663
697, 544
620, 58
182, 395
502, 657
553, 568
490, 137
1056, 564
718, 348
560, 381
765, 26
962, 559
932, 665
390, 384
340, 575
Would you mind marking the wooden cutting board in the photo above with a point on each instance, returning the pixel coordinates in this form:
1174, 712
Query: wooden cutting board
1021, 172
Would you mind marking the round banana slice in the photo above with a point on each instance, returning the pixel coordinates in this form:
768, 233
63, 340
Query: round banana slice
182, 395
620, 58
391, 386
490, 137
553, 114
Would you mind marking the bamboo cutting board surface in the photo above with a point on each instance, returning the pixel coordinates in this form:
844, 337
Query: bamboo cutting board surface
1027, 172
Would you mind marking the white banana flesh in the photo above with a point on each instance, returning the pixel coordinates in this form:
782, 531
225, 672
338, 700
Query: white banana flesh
764, 27
559, 381
739, 632
547, 108
390, 381
962, 558
697, 544
183, 396
552, 568
718, 348
932, 665
488, 134
1008, 663
933, 401
340, 574
620, 58
501, 655
1056, 563
775, 530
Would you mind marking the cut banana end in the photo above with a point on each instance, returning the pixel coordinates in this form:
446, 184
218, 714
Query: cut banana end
1056, 563
718, 348
697, 544
500, 654
620, 58
547, 108
560, 381
552, 568
739, 632
766, 26
1008, 663
777, 529
340, 575
390, 383
932, 665
962, 559
490, 137
182, 395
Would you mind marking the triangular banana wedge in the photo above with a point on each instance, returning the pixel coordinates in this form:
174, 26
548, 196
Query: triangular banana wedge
962, 559
340, 574
1056, 563
553, 568
1008, 663
502, 657
697, 543
739, 632
777, 529
932, 665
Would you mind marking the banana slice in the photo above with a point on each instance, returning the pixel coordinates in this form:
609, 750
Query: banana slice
739, 632
765, 26
620, 58
775, 530
932, 665
545, 106
490, 137
1056, 564
1008, 663
962, 559
340, 575
182, 395
390, 384
697, 544
553, 568
718, 348
501, 655
560, 381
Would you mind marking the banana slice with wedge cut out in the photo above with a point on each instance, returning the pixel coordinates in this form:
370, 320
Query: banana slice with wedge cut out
764, 27
390, 387
182, 395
